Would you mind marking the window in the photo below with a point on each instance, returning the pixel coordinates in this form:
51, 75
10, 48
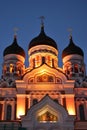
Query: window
52, 62
9, 111
1, 106
45, 78
76, 68
11, 68
43, 60
33, 63
81, 112
48, 60
47, 117
37, 61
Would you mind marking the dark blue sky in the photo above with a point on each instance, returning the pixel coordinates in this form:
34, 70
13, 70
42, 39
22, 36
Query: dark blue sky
59, 16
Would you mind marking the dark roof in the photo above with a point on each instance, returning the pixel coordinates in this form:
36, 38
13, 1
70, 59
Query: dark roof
72, 49
14, 48
42, 39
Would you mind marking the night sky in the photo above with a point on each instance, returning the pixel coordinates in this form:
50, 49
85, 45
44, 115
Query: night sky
60, 15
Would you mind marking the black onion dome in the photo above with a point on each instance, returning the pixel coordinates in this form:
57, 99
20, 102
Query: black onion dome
42, 39
14, 48
72, 49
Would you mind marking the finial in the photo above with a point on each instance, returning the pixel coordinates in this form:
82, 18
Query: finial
42, 19
70, 31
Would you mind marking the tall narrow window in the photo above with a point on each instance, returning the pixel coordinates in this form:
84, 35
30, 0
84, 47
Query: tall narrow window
48, 60
9, 111
52, 62
33, 63
64, 102
81, 112
43, 60
1, 106
11, 68
76, 68
37, 60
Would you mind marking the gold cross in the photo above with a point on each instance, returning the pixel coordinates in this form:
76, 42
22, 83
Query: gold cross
42, 19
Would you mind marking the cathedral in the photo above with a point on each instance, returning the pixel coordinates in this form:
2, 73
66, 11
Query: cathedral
43, 96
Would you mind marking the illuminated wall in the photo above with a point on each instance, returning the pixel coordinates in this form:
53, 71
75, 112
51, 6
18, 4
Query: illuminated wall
70, 105
20, 106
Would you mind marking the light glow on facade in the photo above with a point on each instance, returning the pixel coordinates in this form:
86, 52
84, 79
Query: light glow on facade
70, 106
20, 107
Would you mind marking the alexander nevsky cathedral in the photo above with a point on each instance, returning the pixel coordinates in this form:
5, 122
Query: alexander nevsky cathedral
43, 96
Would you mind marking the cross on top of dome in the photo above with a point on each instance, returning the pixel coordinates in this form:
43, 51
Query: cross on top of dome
42, 20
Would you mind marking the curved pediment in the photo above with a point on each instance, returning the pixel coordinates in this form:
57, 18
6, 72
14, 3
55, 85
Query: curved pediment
45, 74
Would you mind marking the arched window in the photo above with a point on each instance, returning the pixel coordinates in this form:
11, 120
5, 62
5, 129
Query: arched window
81, 112
9, 112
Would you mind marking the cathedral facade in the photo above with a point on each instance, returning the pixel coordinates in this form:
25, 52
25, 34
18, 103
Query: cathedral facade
43, 96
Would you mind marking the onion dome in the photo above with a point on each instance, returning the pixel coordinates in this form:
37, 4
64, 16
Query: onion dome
72, 49
42, 39
14, 48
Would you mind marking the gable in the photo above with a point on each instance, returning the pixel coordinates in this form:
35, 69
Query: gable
46, 107
47, 114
